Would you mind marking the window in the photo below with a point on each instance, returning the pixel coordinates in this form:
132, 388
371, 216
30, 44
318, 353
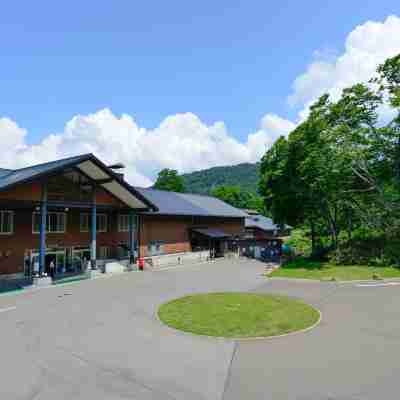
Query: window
104, 253
101, 222
123, 223
6, 222
55, 222
155, 248
84, 222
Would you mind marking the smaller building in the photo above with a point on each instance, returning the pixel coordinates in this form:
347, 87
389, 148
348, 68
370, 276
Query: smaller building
262, 239
187, 228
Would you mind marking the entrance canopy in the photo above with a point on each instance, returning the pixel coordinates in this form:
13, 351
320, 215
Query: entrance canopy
88, 165
212, 233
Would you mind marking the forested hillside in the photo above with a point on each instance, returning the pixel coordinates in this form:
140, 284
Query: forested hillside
243, 175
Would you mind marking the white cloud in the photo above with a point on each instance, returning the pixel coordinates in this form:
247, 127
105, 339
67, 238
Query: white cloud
271, 128
181, 141
367, 46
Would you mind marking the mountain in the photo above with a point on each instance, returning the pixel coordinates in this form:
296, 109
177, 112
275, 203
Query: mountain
243, 175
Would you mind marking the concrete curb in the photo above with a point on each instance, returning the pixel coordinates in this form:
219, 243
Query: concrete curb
241, 339
309, 280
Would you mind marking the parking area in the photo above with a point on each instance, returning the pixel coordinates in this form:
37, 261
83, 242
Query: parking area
100, 339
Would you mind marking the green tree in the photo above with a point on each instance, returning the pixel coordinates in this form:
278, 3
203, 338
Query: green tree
238, 198
170, 180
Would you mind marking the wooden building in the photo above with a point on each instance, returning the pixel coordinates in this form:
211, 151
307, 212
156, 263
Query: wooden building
62, 217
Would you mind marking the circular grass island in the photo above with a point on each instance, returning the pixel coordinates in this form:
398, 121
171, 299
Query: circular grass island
238, 315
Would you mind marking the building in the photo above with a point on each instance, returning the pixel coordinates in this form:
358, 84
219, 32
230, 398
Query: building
260, 227
187, 226
60, 217
263, 239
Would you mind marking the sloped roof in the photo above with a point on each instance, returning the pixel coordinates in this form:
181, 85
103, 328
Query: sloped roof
88, 165
261, 222
173, 203
4, 172
29, 173
212, 233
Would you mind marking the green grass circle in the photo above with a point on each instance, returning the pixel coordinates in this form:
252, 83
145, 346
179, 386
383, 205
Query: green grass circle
238, 315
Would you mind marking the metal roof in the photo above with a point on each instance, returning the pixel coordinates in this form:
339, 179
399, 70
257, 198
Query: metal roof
261, 222
4, 172
212, 233
88, 165
173, 203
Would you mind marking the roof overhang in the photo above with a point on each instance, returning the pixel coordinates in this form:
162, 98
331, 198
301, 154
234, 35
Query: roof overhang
98, 174
104, 177
212, 233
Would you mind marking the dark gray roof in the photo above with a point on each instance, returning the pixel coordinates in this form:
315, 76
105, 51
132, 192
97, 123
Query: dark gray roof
9, 178
261, 222
212, 233
4, 172
172, 203
29, 173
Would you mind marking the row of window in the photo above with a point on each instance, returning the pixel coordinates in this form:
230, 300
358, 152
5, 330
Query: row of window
56, 222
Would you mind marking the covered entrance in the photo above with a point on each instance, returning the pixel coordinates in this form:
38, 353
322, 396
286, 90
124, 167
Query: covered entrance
54, 257
214, 240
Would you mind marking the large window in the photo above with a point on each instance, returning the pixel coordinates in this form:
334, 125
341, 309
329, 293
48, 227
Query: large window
6, 222
123, 223
101, 222
55, 222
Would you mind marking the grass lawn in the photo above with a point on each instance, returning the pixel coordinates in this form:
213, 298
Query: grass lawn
306, 269
237, 314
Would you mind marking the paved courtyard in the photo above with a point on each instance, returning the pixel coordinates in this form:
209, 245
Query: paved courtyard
100, 339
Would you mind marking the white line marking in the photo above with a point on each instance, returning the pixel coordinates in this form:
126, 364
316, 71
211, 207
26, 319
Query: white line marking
7, 309
378, 284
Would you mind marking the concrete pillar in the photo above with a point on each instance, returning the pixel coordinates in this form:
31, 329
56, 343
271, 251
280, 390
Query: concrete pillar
93, 243
43, 223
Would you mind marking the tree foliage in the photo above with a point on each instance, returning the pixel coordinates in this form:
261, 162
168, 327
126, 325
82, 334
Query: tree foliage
338, 172
239, 198
244, 175
169, 179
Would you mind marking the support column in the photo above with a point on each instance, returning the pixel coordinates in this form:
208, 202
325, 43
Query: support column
138, 233
93, 243
43, 225
132, 237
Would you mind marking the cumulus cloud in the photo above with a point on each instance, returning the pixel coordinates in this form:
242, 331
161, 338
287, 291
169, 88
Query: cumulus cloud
181, 141
186, 143
367, 46
272, 127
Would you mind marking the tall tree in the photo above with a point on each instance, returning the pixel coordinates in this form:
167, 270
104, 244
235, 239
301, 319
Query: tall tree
238, 198
170, 180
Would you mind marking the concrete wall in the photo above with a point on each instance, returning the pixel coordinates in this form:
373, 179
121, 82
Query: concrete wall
176, 259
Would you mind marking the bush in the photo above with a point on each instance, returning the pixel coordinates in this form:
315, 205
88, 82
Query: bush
374, 251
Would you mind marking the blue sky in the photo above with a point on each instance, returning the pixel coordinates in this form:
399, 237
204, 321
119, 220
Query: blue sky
230, 61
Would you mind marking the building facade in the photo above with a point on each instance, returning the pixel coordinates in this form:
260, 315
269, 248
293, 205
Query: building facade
58, 217
63, 217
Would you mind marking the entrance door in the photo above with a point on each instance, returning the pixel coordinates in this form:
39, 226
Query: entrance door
52, 255
80, 258
50, 259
